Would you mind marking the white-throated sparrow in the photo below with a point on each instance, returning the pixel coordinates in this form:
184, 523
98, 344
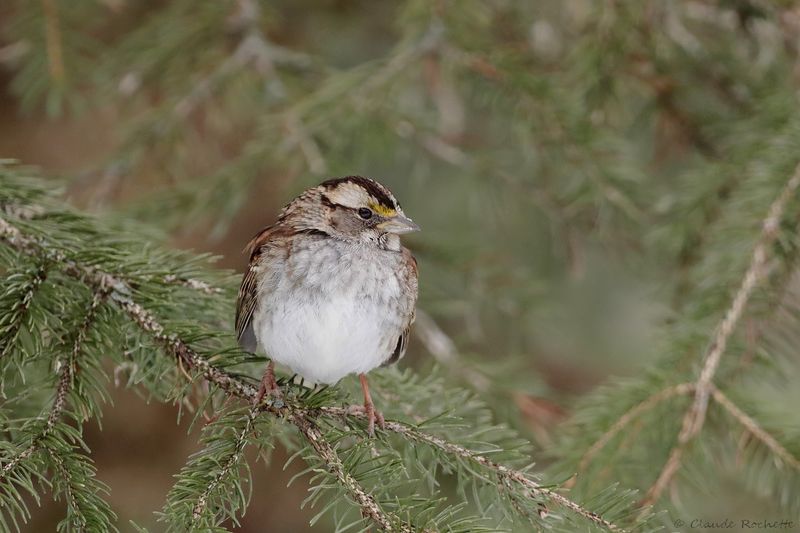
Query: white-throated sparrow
329, 290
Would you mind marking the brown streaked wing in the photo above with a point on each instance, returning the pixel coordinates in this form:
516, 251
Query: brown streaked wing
411, 285
400, 349
246, 303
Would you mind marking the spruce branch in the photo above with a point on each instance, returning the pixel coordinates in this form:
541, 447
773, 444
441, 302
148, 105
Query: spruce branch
505, 473
253, 49
74, 478
694, 417
69, 365
629, 416
65, 382
231, 463
369, 507
191, 283
753, 428
73, 502
21, 307
120, 293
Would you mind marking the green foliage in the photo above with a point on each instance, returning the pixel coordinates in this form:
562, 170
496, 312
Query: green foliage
592, 178
148, 307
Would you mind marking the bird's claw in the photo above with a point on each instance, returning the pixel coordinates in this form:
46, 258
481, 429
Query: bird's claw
269, 385
274, 392
373, 416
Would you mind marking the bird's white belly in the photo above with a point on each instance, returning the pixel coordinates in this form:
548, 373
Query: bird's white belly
324, 337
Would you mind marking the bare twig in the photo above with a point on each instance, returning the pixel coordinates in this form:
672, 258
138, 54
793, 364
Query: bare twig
694, 417
301, 137
754, 429
632, 414
55, 54
196, 284
443, 349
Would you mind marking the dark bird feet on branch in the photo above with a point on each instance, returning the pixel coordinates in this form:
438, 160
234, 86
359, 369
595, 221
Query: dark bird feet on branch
368, 409
269, 385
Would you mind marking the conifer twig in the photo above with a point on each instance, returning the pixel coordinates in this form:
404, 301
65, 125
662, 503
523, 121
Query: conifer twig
233, 459
503, 472
755, 429
23, 306
694, 418
631, 414
192, 283
65, 382
146, 321
69, 494
326, 452
120, 294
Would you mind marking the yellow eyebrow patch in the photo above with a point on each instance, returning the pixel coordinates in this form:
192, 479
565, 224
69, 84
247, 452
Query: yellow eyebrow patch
382, 210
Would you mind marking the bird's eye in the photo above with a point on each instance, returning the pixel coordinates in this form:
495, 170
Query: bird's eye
365, 213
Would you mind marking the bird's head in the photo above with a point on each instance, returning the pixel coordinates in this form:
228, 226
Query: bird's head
358, 209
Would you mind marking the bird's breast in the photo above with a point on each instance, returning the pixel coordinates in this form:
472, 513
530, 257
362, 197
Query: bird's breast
328, 311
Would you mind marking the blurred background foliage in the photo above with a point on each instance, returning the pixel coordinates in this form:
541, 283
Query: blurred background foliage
590, 177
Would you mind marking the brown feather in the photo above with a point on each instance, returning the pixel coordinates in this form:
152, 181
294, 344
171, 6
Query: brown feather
411, 281
246, 302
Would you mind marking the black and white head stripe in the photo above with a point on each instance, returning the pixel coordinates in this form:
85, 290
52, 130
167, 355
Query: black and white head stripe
348, 191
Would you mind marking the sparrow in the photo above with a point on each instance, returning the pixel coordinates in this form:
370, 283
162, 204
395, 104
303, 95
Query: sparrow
329, 290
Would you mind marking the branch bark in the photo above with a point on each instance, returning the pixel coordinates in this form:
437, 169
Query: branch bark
630, 415
755, 429
694, 418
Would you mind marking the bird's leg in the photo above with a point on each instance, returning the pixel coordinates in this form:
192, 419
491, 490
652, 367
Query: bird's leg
268, 384
368, 408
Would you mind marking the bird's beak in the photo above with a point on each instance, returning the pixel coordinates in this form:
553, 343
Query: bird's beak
398, 225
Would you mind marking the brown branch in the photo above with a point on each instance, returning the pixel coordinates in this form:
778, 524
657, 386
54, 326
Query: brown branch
754, 429
326, 452
694, 418
300, 136
55, 54
120, 292
503, 472
443, 349
633, 413
191, 283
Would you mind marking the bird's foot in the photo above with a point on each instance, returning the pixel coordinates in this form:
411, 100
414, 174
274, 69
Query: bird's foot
269, 386
275, 393
368, 410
